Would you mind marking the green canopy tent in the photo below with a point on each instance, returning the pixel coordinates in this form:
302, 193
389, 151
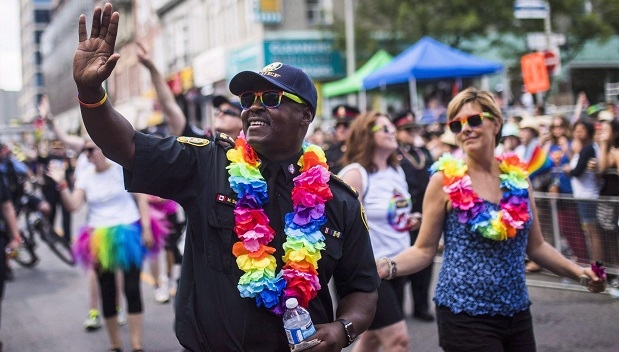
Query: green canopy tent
354, 82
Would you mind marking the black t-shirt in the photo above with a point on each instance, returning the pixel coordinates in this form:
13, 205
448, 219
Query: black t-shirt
334, 155
416, 162
210, 314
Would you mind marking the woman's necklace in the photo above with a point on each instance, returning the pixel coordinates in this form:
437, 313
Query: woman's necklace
495, 225
422, 157
304, 241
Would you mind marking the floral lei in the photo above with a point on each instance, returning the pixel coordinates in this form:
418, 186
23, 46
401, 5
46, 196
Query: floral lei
304, 241
470, 208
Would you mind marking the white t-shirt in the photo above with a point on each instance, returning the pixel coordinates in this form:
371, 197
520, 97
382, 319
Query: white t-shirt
386, 201
109, 204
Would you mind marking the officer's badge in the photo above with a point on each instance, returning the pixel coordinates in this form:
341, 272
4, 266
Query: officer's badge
198, 142
364, 217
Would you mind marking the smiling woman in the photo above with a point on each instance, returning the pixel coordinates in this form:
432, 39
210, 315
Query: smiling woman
371, 167
484, 209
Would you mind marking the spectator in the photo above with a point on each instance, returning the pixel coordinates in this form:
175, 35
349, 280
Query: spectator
559, 150
415, 162
586, 184
608, 213
372, 169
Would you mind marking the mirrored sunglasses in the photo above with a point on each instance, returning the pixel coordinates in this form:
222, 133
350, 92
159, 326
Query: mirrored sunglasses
270, 99
474, 121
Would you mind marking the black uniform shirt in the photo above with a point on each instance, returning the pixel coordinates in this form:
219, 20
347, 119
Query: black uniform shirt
210, 314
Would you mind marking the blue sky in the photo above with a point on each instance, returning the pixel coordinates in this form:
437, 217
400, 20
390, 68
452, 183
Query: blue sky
10, 51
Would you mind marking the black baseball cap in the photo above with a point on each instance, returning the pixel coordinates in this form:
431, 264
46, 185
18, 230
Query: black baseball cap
221, 99
285, 77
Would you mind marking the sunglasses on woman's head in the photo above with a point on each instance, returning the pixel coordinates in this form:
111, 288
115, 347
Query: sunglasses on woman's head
269, 98
474, 121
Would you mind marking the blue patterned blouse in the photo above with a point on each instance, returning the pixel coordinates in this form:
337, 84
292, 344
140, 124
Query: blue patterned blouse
481, 276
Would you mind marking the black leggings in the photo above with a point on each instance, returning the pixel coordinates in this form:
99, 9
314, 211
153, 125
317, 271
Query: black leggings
107, 284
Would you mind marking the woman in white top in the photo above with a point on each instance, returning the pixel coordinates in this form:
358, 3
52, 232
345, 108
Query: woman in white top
117, 234
373, 170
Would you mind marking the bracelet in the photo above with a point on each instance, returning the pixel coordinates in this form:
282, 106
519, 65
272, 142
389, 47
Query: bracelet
94, 105
62, 186
393, 270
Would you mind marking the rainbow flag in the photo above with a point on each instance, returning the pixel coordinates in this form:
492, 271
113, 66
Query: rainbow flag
539, 162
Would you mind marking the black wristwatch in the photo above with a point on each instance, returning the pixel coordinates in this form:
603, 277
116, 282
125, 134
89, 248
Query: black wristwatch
350, 331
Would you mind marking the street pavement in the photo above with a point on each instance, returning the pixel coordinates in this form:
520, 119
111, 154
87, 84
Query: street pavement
44, 308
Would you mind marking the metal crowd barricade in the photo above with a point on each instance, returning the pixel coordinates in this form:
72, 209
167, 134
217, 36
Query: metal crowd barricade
562, 227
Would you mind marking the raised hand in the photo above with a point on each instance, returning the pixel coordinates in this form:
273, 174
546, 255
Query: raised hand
143, 55
94, 58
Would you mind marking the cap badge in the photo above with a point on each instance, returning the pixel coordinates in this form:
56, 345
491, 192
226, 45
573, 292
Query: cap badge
341, 111
272, 67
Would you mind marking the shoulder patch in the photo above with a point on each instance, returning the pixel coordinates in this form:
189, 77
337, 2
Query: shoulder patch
348, 187
223, 140
198, 142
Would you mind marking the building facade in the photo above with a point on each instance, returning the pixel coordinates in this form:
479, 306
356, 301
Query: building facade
35, 15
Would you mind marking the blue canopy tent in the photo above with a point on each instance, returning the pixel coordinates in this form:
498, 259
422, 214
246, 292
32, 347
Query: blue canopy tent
429, 59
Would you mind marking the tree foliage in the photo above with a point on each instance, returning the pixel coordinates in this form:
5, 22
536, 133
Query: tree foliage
396, 24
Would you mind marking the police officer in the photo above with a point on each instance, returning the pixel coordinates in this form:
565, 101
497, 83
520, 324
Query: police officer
415, 160
343, 115
279, 104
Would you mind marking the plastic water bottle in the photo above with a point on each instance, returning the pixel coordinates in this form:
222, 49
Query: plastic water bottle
297, 322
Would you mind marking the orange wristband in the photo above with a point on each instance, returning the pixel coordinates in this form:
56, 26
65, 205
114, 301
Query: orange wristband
93, 105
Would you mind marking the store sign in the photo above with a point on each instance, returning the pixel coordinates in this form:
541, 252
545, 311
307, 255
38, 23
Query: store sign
316, 57
268, 11
531, 9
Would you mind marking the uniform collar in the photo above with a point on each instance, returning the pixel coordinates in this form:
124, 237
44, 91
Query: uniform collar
289, 167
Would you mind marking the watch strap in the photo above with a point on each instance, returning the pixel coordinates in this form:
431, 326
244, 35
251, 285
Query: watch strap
349, 330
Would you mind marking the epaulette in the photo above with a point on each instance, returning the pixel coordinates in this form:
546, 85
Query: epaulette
198, 142
224, 141
345, 185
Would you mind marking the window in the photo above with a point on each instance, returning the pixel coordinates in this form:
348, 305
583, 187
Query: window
41, 16
38, 58
319, 12
38, 79
37, 37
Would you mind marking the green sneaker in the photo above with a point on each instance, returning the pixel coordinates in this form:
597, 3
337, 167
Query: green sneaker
94, 320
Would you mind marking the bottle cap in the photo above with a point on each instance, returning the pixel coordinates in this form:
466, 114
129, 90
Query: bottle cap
291, 303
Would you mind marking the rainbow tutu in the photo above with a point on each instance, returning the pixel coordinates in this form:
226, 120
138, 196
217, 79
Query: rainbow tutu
116, 247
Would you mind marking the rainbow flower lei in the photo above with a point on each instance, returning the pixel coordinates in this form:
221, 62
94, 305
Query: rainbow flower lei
494, 225
304, 241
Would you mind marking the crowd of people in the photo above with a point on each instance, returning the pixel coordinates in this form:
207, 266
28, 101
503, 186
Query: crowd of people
271, 216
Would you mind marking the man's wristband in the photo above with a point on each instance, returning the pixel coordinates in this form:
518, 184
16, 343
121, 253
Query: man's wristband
62, 186
93, 105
